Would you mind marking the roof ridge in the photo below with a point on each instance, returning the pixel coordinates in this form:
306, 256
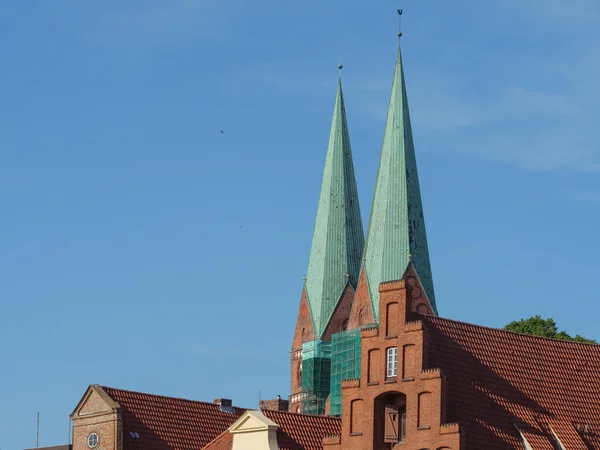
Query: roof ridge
165, 396
532, 336
303, 415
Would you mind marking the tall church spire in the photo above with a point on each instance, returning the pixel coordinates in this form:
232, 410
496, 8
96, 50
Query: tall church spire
333, 269
338, 238
396, 244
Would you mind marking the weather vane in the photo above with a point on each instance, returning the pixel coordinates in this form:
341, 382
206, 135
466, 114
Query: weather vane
399, 23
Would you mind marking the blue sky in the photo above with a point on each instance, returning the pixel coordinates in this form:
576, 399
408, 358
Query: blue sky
142, 248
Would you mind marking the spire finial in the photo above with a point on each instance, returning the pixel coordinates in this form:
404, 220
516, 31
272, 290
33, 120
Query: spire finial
399, 23
340, 66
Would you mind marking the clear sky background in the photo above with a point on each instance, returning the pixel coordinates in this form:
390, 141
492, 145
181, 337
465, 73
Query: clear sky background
142, 248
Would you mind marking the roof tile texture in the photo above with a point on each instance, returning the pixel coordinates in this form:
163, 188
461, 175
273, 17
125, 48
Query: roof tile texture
302, 431
168, 422
498, 379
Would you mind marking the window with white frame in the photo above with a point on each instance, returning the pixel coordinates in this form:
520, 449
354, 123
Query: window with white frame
392, 362
92, 440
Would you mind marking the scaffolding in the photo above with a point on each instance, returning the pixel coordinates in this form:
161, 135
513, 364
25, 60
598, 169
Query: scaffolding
316, 374
345, 364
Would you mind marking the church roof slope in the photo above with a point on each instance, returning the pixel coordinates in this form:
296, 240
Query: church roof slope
168, 422
499, 381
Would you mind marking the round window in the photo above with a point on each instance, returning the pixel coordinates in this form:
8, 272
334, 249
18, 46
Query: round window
92, 440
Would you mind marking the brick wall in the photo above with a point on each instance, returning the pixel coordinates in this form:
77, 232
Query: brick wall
361, 313
93, 415
340, 318
277, 404
303, 333
418, 391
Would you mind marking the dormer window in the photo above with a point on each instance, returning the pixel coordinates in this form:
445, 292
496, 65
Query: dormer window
392, 362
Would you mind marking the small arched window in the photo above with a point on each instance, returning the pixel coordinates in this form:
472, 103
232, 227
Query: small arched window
345, 325
361, 317
392, 362
303, 335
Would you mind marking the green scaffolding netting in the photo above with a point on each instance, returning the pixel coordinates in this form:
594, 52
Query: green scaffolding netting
345, 364
316, 374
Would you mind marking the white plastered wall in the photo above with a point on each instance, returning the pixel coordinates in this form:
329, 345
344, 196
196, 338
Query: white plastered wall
254, 431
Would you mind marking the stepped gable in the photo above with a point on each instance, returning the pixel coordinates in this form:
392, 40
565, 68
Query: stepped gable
168, 422
296, 431
501, 382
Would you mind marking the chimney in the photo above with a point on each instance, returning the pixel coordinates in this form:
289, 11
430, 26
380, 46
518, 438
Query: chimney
275, 405
223, 402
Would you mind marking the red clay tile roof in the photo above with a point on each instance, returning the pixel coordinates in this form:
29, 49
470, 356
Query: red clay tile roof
498, 379
301, 431
224, 441
170, 423
296, 431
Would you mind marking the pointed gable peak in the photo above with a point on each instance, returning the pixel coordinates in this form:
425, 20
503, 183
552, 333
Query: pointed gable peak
396, 234
338, 238
339, 117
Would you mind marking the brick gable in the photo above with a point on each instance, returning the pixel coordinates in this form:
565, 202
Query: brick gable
464, 386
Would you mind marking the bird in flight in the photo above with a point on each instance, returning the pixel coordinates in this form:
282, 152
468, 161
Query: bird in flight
222, 132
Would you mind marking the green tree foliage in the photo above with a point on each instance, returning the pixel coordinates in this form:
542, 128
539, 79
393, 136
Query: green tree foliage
545, 328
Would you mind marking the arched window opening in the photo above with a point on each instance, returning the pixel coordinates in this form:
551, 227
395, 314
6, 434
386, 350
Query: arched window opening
392, 362
303, 335
423, 407
361, 317
299, 376
392, 321
390, 420
374, 371
356, 409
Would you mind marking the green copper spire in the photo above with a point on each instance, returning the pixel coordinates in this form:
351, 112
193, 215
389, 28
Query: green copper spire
338, 239
396, 234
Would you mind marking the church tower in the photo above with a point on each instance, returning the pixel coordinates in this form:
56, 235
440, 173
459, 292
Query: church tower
396, 243
333, 271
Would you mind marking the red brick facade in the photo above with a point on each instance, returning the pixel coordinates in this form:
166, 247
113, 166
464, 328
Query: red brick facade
340, 318
374, 405
361, 312
97, 413
304, 332
420, 303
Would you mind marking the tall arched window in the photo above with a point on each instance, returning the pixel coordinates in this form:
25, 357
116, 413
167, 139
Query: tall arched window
361, 317
303, 335
392, 362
